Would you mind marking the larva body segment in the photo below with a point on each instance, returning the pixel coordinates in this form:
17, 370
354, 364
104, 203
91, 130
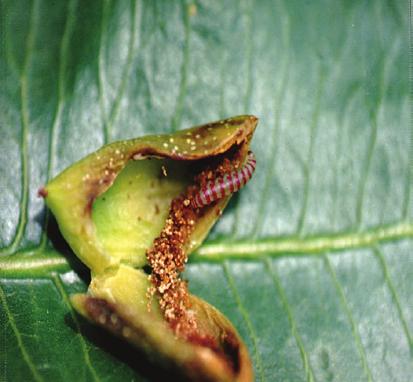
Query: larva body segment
225, 185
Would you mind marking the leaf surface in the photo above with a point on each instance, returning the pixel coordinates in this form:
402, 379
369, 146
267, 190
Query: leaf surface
312, 261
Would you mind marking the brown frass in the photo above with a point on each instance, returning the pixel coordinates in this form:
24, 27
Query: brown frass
167, 257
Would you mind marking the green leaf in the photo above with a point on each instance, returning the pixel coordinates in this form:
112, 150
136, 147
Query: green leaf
312, 261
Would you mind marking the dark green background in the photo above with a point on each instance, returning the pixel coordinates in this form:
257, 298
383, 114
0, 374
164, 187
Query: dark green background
312, 261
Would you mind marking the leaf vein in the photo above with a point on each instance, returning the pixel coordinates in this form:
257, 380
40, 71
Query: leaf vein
59, 286
53, 135
271, 163
10, 59
37, 263
367, 166
19, 339
114, 110
25, 120
347, 310
248, 91
247, 320
100, 71
392, 289
304, 355
409, 177
310, 156
176, 118
342, 120
251, 249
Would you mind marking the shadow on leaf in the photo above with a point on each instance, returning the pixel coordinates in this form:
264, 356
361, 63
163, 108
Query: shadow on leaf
120, 350
60, 245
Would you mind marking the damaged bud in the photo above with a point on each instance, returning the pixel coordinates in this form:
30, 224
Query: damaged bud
146, 204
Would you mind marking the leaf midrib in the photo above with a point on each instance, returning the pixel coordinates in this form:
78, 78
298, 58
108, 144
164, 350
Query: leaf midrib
317, 244
37, 262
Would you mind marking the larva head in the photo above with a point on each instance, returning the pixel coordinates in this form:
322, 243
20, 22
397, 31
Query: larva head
111, 205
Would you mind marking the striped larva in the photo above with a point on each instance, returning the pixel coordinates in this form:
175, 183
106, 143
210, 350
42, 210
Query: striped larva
225, 185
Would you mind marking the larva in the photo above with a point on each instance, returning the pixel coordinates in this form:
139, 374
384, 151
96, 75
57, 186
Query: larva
225, 185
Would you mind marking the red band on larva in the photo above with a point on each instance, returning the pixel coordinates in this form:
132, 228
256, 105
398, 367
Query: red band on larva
225, 185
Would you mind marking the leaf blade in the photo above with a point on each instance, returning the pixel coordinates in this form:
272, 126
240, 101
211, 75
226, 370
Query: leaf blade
333, 183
